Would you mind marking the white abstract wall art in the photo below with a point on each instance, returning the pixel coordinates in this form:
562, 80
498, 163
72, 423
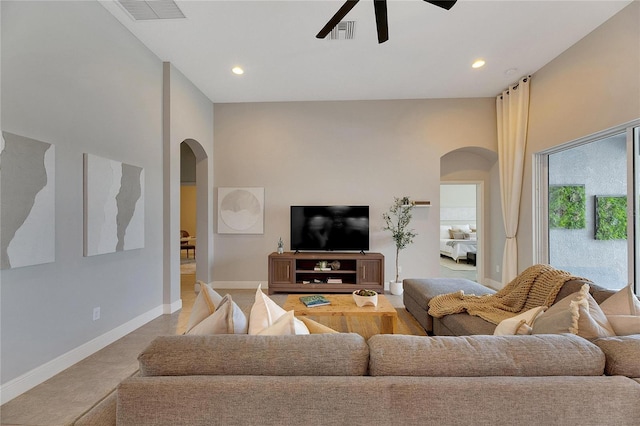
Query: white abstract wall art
27, 201
240, 210
113, 206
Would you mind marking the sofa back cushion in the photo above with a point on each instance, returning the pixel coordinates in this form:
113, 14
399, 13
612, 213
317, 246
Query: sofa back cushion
478, 356
600, 294
339, 354
622, 354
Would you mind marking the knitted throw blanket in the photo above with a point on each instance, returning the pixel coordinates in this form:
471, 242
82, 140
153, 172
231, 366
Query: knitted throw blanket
536, 286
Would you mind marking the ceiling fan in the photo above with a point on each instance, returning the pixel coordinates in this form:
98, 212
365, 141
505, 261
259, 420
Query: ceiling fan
380, 7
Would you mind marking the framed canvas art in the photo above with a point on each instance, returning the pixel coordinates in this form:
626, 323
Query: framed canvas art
27, 210
240, 210
113, 206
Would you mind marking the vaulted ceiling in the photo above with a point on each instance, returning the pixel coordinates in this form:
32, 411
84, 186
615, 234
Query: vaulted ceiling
428, 55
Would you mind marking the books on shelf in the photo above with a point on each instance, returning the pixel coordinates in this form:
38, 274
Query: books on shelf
317, 268
334, 280
314, 300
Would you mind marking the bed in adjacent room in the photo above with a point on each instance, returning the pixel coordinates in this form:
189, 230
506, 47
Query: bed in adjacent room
457, 240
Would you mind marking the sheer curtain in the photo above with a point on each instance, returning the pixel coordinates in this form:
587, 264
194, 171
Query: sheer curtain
512, 108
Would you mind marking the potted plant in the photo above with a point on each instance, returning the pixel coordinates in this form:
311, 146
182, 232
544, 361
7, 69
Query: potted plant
397, 222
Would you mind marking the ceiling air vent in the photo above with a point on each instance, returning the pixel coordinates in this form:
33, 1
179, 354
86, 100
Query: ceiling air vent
153, 9
345, 30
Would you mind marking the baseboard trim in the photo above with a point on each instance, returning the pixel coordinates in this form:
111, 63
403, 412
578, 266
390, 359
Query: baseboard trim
38, 375
173, 307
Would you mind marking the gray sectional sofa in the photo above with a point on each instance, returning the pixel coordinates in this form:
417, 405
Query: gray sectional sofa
419, 291
338, 379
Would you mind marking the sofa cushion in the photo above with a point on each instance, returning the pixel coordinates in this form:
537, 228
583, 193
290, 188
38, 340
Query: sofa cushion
463, 324
600, 294
478, 356
423, 290
336, 354
622, 355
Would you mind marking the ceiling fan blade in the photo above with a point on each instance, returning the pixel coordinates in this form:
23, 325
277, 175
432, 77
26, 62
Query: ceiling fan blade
381, 20
443, 4
341, 13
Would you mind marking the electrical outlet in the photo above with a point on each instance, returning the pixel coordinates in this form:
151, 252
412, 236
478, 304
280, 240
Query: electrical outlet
497, 268
96, 313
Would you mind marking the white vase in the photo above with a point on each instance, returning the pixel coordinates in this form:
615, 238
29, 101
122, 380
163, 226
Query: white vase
396, 287
365, 300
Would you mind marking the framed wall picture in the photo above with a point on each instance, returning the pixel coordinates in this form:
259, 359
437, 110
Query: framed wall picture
567, 206
611, 218
240, 210
27, 210
113, 206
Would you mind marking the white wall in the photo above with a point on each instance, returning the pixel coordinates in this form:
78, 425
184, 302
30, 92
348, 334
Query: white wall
73, 77
341, 153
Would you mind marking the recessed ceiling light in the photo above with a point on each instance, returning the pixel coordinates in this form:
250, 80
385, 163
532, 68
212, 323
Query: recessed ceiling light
479, 63
237, 70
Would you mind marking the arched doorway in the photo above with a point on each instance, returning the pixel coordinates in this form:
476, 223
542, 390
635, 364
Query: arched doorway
194, 177
470, 171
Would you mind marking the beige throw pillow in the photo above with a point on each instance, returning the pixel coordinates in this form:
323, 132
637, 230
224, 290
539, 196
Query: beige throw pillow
577, 313
226, 319
204, 305
520, 324
315, 327
623, 312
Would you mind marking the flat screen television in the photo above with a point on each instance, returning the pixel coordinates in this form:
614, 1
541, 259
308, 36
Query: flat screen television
322, 228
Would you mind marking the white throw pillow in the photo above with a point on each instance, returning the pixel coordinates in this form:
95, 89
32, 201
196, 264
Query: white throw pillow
265, 312
444, 232
623, 312
461, 228
227, 319
520, 324
284, 325
204, 305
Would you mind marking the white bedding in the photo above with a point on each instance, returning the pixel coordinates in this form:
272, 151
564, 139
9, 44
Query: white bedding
457, 249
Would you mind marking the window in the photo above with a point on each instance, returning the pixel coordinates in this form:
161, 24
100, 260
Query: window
585, 201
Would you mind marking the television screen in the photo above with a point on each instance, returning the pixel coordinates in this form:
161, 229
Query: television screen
330, 228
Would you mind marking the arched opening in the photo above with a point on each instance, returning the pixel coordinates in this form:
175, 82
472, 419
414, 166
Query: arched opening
194, 199
466, 179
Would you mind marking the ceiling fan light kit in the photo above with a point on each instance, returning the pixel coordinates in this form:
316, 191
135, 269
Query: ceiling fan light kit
380, 9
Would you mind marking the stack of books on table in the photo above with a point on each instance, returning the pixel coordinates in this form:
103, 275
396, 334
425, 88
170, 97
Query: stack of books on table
314, 300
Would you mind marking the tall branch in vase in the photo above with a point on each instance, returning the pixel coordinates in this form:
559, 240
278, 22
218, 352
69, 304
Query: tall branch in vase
397, 221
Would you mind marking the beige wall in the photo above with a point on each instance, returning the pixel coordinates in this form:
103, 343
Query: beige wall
593, 86
360, 152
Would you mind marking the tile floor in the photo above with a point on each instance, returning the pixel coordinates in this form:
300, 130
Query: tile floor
66, 396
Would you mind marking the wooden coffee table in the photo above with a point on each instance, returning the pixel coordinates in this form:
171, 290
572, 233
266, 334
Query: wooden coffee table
344, 305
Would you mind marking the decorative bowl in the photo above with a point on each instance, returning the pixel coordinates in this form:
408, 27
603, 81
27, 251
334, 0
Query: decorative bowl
365, 300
